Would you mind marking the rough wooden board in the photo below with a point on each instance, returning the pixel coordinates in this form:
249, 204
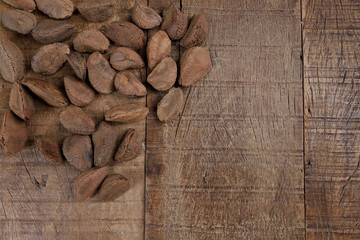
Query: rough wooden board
231, 167
331, 73
33, 209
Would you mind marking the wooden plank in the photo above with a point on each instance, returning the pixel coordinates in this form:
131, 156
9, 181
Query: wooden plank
331, 72
48, 210
231, 167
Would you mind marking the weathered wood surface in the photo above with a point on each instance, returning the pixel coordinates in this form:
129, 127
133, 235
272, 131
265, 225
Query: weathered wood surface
331, 80
231, 167
36, 197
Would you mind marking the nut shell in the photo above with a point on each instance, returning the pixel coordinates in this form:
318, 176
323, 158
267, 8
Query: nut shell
87, 183
49, 31
12, 61
13, 133
159, 47
58, 9
113, 187
91, 41
78, 151
197, 33
76, 121
101, 75
19, 21
171, 105
126, 113
21, 102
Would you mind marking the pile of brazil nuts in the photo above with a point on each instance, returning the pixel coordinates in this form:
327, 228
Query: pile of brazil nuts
92, 148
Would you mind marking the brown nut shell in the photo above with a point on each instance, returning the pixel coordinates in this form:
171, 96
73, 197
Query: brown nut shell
159, 47
78, 63
50, 58
76, 121
128, 84
174, 22
91, 41
126, 113
13, 133
79, 93
105, 141
27, 5
47, 91
145, 17
87, 183
21, 102
124, 58
124, 34
130, 146
101, 75
49, 31
197, 33
113, 187
164, 75
95, 10
171, 105
78, 151
19, 21
12, 61
49, 149
58, 9
195, 63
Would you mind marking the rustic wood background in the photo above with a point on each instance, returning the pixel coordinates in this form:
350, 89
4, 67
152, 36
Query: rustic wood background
266, 147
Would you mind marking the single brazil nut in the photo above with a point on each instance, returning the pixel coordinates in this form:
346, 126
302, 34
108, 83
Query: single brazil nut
50, 58
12, 61
49, 149
19, 21
113, 187
78, 151
21, 102
126, 113
79, 93
75, 120
47, 91
130, 146
49, 31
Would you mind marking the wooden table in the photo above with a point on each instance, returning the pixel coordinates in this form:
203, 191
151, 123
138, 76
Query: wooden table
267, 145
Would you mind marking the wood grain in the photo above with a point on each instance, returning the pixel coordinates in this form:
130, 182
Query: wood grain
231, 166
331, 73
36, 196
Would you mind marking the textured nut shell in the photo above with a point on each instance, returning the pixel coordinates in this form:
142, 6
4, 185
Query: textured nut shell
113, 187
194, 65
47, 91
19, 21
159, 47
12, 61
130, 146
58, 9
124, 34
27, 5
197, 33
124, 58
126, 113
13, 133
87, 183
78, 64
21, 102
49, 149
105, 141
50, 31
78, 151
164, 75
79, 93
145, 17
174, 22
91, 41
127, 84
95, 10
76, 121
171, 105
101, 75
50, 58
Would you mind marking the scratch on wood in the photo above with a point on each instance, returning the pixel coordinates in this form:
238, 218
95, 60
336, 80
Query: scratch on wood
182, 113
347, 182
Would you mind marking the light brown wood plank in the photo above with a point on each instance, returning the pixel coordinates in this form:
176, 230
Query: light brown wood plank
32, 211
331, 72
231, 167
